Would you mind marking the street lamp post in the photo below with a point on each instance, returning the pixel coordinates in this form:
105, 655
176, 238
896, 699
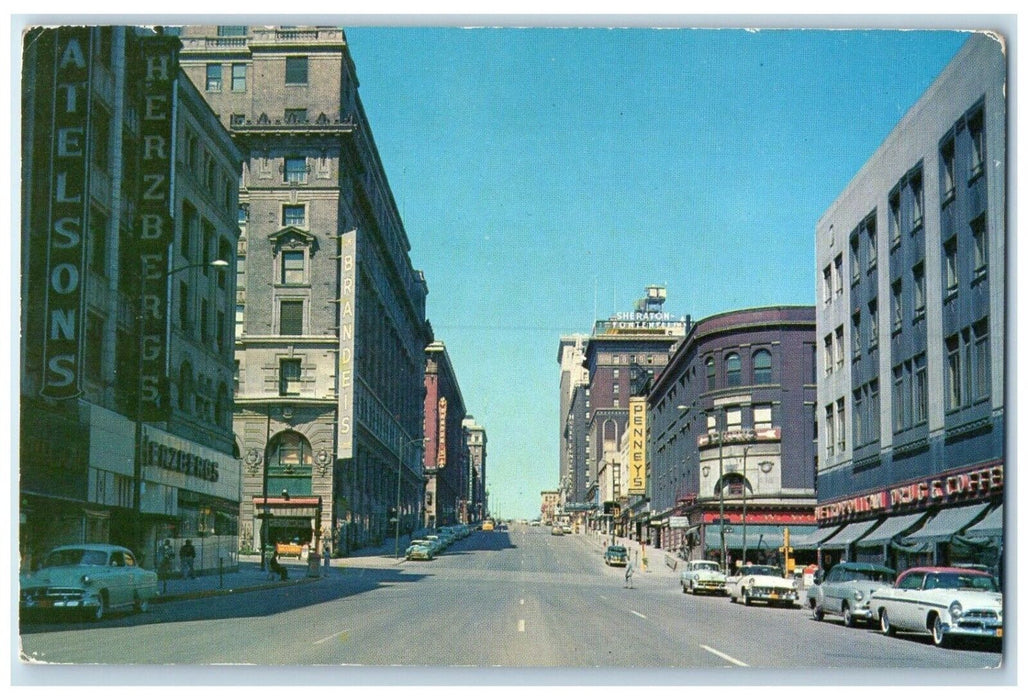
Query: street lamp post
745, 451
399, 480
721, 494
137, 470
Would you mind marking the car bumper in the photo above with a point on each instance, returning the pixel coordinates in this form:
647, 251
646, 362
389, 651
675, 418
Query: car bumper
715, 586
773, 596
617, 562
976, 628
47, 603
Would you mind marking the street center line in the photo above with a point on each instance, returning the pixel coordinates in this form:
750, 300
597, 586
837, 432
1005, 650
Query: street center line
331, 636
521, 625
726, 657
637, 613
522, 601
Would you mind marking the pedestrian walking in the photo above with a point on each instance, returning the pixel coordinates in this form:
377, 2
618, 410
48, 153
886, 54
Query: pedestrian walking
326, 557
186, 557
628, 574
165, 559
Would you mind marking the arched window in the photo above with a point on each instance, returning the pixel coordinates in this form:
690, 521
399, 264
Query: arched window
290, 462
733, 370
762, 367
711, 374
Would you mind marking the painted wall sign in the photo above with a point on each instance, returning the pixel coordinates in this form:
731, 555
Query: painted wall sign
64, 301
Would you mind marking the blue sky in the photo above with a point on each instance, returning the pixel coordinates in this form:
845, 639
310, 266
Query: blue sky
546, 176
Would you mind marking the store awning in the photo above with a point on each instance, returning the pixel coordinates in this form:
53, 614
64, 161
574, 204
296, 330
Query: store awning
896, 525
812, 540
848, 535
946, 524
990, 526
764, 536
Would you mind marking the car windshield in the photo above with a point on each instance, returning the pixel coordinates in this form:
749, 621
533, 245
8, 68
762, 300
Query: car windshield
706, 566
75, 557
968, 582
616, 550
880, 576
759, 571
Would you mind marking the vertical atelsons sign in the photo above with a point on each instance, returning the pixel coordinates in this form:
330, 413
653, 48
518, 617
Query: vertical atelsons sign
156, 217
67, 220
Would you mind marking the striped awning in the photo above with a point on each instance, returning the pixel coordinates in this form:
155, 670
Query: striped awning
947, 523
896, 525
989, 526
848, 535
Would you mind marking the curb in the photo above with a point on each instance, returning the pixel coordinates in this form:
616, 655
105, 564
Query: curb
215, 592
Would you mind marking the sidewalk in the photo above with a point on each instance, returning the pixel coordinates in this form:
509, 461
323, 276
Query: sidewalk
250, 577
660, 564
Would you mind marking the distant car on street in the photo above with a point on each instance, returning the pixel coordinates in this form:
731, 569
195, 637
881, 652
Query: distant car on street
616, 555
702, 575
945, 602
846, 591
557, 530
88, 579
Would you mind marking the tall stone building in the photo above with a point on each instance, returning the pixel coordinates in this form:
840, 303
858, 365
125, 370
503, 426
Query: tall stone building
129, 194
911, 327
574, 381
477, 453
446, 445
330, 312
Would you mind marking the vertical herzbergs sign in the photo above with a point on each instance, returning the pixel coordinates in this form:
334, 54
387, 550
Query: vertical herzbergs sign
156, 214
637, 446
67, 220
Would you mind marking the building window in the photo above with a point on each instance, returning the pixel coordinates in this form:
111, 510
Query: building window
954, 375
762, 367
947, 156
830, 430
231, 30
733, 419
872, 324
711, 374
205, 331
837, 274
920, 389
840, 418
840, 349
826, 286
219, 332
872, 243
894, 218
854, 259
982, 359
224, 253
761, 417
917, 200
294, 214
952, 276
981, 247
856, 336
213, 77
293, 263
185, 387
289, 377
238, 77
919, 290
733, 370
290, 318
897, 305
829, 355
184, 315
976, 129
296, 70
296, 116
94, 347
899, 422
859, 432
240, 315
97, 242
296, 171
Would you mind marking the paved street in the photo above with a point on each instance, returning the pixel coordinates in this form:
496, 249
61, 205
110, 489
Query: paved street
511, 599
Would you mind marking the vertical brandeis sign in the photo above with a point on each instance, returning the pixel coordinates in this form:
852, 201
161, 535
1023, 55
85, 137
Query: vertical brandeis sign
64, 301
156, 218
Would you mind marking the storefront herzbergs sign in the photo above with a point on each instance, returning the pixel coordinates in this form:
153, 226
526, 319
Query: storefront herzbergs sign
974, 483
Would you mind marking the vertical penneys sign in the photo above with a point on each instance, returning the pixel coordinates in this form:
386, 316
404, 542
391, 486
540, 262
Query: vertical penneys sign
347, 300
154, 233
69, 207
637, 445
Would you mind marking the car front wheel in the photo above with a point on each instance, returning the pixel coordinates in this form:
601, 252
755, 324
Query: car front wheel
101, 607
140, 604
847, 616
745, 597
939, 636
886, 626
819, 613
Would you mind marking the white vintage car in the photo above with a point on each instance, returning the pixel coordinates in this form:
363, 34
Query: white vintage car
945, 602
759, 582
90, 579
847, 589
702, 575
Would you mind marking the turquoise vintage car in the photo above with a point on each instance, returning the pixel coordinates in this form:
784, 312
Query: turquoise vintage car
88, 579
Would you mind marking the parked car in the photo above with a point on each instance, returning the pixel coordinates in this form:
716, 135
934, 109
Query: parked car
702, 575
90, 579
566, 529
487, 526
945, 602
557, 530
616, 555
759, 582
421, 550
846, 591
